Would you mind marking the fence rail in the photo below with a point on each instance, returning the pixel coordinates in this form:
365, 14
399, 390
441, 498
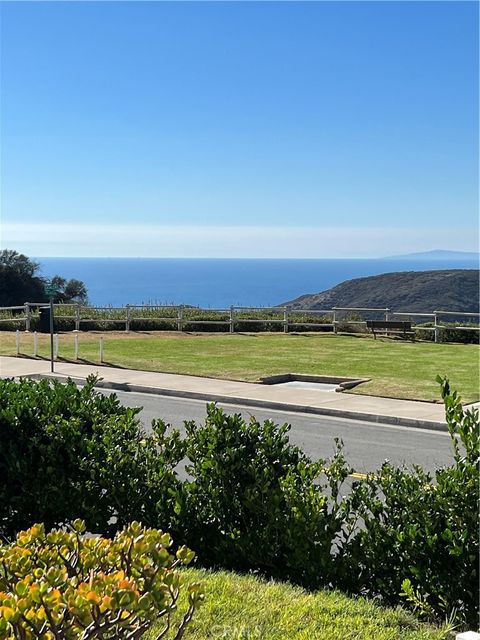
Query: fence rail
182, 317
457, 313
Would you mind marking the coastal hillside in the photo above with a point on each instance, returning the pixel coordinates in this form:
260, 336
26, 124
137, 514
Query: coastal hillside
449, 290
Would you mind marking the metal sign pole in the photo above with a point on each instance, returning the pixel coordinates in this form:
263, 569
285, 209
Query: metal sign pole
51, 291
51, 335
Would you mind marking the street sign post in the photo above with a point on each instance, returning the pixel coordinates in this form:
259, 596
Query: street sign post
51, 291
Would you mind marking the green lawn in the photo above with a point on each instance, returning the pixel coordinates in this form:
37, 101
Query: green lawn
397, 369
248, 608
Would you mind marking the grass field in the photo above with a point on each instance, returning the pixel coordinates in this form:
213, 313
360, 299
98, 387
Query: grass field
397, 369
248, 608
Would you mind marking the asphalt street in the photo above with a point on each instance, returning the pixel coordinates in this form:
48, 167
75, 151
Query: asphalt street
367, 445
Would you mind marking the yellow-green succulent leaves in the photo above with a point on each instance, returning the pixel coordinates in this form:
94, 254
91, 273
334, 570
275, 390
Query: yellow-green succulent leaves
65, 584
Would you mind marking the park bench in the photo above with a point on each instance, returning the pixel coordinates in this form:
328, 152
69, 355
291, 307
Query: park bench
395, 327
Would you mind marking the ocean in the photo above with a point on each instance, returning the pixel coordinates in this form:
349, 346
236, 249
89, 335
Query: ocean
219, 283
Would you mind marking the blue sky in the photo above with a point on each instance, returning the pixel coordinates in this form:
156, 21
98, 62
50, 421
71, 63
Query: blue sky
289, 129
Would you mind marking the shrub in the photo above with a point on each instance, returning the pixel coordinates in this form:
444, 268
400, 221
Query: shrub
65, 585
451, 332
67, 453
420, 534
253, 503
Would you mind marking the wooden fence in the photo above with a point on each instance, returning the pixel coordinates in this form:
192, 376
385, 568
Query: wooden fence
180, 317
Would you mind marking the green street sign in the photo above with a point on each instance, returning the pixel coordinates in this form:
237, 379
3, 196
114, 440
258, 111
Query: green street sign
51, 289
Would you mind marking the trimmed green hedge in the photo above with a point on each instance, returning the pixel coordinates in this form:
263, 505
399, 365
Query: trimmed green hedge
252, 501
68, 453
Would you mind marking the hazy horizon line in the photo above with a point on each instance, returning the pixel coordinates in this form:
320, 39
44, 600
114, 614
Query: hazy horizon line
236, 241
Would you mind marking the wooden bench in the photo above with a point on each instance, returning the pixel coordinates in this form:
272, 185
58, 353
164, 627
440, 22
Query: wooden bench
387, 327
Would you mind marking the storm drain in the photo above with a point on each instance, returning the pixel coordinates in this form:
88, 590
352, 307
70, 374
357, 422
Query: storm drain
319, 383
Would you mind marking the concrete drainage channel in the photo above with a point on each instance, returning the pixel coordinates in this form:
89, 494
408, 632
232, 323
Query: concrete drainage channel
320, 383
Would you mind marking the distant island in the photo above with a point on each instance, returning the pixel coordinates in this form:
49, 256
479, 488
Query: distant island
421, 291
437, 254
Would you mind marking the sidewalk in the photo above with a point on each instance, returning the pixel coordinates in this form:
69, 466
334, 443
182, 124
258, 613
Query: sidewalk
370, 408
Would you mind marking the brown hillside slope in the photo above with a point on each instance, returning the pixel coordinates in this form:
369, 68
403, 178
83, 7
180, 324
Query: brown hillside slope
449, 290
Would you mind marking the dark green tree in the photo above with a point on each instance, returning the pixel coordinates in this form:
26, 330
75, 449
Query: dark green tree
20, 282
70, 290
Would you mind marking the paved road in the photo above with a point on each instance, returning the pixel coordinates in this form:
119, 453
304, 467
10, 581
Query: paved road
367, 445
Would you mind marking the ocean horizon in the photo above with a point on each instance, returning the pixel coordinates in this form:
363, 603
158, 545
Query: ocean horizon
219, 283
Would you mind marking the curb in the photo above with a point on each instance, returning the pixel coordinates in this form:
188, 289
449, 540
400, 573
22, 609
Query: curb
250, 402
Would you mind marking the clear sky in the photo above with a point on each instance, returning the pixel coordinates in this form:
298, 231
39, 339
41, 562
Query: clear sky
256, 129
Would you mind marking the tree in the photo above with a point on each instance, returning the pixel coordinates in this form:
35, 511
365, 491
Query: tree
76, 290
19, 282
11, 259
70, 290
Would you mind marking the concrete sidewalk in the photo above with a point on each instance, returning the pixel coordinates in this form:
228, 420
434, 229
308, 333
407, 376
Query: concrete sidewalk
370, 408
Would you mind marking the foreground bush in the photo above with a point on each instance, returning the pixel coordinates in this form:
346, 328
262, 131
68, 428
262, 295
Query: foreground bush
67, 586
69, 453
419, 535
253, 502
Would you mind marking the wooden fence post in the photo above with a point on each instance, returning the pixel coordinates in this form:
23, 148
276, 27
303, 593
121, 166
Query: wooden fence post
77, 317
101, 348
334, 321
28, 316
17, 341
180, 319
285, 320
35, 344
76, 346
232, 320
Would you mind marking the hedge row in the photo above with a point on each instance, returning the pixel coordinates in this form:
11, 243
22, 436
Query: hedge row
167, 320
450, 332
252, 501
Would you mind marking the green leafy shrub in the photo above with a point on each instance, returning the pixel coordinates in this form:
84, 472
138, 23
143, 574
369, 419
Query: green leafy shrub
67, 452
253, 503
65, 585
252, 500
147, 325
420, 534
450, 333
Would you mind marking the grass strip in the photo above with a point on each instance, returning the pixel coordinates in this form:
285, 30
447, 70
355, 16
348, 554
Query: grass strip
250, 608
397, 369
